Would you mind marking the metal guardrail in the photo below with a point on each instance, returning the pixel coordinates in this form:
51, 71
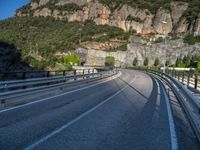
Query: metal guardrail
22, 75
189, 102
188, 78
9, 89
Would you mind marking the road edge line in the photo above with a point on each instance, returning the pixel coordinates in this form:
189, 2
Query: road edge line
174, 143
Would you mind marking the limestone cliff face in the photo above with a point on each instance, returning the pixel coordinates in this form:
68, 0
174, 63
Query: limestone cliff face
125, 17
141, 49
43, 12
197, 26
177, 10
163, 22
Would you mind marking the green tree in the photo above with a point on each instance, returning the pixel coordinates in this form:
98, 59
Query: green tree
178, 62
168, 62
146, 62
157, 62
135, 61
109, 61
187, 60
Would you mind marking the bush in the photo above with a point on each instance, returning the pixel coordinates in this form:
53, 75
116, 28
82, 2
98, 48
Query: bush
132, 18
135, 61
71, 59
146, 62
110, 61
191, 40
157, 62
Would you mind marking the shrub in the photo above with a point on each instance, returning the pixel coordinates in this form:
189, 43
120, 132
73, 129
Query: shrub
157, 62
135, 61
132, 18
191, 40
109, 61
71, 59
146, 62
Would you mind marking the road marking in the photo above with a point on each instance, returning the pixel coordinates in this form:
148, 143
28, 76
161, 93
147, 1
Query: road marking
171, 120
76, 119
69, 92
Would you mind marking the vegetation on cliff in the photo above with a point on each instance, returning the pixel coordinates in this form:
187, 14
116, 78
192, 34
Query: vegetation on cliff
154, 5
191, 40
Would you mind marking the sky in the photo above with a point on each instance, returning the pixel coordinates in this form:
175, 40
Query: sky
8, 7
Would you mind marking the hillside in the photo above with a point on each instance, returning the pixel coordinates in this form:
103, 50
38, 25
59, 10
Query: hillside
38, 39
45, 32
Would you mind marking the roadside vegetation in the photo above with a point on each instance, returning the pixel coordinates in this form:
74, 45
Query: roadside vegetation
181, 62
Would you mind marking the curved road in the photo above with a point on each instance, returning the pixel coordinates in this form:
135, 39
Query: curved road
126, 113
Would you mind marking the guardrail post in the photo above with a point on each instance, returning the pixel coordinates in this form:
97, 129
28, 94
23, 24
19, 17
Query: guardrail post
196, 81
175, 74
183, 77
178, 73
83, 73
24, 75
167, 71
74, 74
88, 73
93, 73
3, 102
64, 73
188, 80
47, 73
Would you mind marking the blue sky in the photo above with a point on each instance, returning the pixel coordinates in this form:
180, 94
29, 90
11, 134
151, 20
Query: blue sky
8, 7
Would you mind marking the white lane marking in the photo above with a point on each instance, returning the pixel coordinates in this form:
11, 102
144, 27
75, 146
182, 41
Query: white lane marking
76, 119
171, 121
45, 99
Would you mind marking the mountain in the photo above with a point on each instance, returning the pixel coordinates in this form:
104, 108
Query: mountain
47, 33
145, 17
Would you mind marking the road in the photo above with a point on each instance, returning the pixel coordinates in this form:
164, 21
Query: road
126, 113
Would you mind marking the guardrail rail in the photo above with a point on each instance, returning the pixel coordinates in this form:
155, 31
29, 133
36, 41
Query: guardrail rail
17, 88
189, 102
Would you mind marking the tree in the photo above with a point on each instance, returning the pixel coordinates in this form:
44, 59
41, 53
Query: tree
146, 62
178, 62
168, 62
110, 61
135, 61
157, 62
187, 60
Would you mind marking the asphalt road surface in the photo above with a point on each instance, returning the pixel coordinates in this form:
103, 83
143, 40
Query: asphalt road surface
130, 112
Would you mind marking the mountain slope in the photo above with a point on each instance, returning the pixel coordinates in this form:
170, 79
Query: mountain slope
39, 39
145, 17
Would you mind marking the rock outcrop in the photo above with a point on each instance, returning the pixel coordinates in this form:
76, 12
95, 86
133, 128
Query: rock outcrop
197, 26
141, 49
126, 17
177, 10
163, 22
43, 12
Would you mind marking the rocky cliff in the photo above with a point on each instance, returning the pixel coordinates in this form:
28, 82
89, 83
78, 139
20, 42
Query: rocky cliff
141, 49
127, 17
